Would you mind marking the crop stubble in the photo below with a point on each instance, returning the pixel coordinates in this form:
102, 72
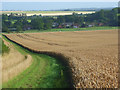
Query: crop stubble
93, 55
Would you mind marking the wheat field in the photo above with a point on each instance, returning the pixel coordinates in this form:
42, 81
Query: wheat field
93, 55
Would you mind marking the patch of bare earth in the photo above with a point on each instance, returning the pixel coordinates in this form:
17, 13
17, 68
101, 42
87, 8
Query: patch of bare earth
13, 63
93, 55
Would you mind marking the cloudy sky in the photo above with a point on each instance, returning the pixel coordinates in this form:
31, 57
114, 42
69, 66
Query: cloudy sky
60, 0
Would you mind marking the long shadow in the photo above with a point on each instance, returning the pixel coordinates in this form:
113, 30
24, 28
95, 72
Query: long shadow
58, 56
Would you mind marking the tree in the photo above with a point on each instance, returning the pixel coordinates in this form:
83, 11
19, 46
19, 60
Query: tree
37, 23
19, 28
74, 13
24, 21
4, 17
101, 14
8, 23
18, 23
79, 20
60, 19
47, 23
5, 28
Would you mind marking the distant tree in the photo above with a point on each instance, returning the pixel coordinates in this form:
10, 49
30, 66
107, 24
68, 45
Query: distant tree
74, 13
101, 14
24, 21
18, 23
79, 20
8, 23
4, 17
19, 28
5, 28
11, 16
69, 18
48, 23
61, 19
37, 23
107, 17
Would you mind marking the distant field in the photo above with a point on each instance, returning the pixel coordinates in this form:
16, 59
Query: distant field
48, 13
32, 12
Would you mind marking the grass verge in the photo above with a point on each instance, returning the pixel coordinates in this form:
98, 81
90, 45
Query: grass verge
45, 72
71, 29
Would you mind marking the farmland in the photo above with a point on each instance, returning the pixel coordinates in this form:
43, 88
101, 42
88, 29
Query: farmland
92, 55
43, 72
48, 13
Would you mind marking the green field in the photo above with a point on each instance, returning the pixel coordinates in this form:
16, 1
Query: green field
72, 29
45, 72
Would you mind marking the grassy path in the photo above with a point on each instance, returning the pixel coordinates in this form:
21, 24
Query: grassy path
45, 72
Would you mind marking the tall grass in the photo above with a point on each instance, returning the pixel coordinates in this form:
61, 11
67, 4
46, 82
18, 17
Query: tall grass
0, 45
3, 47
45, 72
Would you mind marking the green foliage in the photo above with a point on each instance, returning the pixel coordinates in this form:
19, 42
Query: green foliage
99, 18
61, 19
5, 28
19, 28
37, 23
107, 17
45, 72
18, 23
5, 49
4, 17
47, 23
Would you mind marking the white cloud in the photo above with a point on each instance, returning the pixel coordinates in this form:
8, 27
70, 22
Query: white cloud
60, 0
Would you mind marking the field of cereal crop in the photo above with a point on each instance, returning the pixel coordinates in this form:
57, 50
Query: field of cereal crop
92, 55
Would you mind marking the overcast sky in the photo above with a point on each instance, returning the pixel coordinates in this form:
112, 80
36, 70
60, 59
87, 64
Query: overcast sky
60, 0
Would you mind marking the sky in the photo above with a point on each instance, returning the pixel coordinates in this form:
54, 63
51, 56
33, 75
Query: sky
55, 5
60, 0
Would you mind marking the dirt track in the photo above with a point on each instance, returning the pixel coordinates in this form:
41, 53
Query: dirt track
93, 55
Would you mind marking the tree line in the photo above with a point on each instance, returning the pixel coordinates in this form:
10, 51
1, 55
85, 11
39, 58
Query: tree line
20, 23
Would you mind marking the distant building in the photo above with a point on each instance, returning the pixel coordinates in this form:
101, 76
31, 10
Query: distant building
60, 26
17, 14
68, 25
90, 25
55, 25
100, 24
75, 26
